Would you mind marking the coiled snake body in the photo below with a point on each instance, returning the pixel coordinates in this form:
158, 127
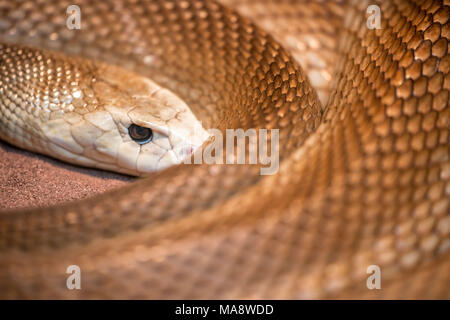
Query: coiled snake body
364, 175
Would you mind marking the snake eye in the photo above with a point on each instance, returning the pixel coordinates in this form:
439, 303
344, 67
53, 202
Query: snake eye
140, 134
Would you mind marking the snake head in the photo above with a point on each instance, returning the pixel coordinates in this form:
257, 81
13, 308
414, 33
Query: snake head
138, 126
96, 115
153, 132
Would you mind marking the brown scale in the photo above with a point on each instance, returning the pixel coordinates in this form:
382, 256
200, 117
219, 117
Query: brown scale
363, 180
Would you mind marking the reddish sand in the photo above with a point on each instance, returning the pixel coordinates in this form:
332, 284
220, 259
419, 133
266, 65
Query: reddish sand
30, 180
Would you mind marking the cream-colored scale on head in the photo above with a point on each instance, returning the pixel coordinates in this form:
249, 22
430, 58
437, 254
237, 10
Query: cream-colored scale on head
84, 118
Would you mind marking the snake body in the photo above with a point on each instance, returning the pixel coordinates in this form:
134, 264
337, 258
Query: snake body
364, 174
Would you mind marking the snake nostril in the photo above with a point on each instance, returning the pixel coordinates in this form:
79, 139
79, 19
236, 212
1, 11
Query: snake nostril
140, 134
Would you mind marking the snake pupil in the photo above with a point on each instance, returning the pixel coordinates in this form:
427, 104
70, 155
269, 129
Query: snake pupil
140, 134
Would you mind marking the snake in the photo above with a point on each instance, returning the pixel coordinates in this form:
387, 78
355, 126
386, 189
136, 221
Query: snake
364, 169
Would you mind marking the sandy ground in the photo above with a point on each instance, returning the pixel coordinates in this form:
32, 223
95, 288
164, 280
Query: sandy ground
31, 180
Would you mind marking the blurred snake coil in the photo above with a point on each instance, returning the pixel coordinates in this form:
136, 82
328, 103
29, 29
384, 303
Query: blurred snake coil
364, 176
